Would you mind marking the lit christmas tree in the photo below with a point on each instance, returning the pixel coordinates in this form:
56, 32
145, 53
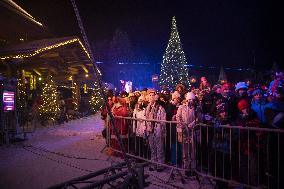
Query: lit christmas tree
22, 101
21, 95
49, 109
173, 68
96, 101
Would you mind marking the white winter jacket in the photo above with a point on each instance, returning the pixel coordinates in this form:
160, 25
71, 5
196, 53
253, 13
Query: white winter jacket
139, 127
186, 117
155, 112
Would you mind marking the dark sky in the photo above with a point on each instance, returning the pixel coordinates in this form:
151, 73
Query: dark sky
213, 32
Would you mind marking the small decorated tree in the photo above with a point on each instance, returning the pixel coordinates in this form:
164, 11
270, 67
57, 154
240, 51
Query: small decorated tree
96, 101
75, 96
22, 101
49, 109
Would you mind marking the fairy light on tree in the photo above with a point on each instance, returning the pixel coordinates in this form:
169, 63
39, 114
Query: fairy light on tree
173, 67
96, 101
75, 96
22, 101
21, 95
49, 109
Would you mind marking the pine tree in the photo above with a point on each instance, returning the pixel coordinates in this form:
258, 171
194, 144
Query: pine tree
173, 68
96, 101
49, 109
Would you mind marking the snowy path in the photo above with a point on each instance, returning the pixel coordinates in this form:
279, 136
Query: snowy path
30, 164
29, 167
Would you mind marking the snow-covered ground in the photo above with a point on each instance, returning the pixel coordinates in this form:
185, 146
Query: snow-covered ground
33, 164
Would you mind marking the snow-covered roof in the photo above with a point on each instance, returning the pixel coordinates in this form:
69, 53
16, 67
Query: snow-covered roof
29, 49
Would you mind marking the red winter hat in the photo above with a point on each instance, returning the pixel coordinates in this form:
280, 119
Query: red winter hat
227, 86
243, 104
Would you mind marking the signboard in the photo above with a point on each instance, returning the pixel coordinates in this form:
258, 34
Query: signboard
155, 78
9, 101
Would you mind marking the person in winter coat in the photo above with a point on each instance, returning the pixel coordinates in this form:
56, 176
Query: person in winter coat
186, 122
259, 105
106, 118
204, 84
206, 106
119, 109
171, 111
139, 129
275, 117
155, 129
181, 89
241, 89
231, 101
249, 145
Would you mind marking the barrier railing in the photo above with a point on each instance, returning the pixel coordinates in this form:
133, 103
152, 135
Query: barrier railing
237, 155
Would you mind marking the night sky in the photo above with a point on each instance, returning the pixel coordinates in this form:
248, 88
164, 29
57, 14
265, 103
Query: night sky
213, 32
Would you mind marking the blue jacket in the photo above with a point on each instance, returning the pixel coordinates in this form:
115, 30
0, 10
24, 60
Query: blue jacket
259, 108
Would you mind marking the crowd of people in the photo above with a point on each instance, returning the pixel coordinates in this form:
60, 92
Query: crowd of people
238, 104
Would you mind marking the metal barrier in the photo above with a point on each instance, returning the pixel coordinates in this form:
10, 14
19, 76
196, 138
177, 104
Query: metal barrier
231, 155
247, 155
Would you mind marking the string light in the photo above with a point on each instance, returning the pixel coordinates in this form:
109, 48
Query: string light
21, 97
173, 67
96, 101
20, 56
49, 109
75, 96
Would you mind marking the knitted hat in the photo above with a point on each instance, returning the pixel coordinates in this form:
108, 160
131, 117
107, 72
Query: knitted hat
243, 104
257, 92
241, 85
189, 96
227, 86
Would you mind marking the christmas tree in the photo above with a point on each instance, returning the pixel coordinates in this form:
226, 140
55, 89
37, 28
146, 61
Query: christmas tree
21, 95
22, 101
49, 109
173, 68
96, 101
